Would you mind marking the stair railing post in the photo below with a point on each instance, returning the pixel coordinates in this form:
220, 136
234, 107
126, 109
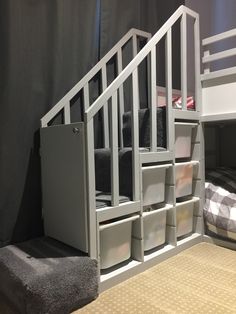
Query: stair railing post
135, 138
114, 152
169, 110
153, 109
183, 33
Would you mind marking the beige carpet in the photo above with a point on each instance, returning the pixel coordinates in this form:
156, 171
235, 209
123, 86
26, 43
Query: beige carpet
201, 279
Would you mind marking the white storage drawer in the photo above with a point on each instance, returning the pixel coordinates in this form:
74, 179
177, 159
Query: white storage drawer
183, 137
184, 178
153, 181
115, 242
184, 218
154, 226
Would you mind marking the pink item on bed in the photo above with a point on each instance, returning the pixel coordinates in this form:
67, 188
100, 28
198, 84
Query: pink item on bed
177, 103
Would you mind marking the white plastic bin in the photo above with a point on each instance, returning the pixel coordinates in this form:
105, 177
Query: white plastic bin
183, 138
183, 178
115, 242
154, 227
184, 218
153, 180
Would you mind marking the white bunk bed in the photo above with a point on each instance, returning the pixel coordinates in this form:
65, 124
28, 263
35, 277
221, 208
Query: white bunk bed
218, 117
167, 187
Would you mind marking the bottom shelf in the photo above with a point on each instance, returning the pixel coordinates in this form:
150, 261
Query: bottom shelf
124, 271
148, 255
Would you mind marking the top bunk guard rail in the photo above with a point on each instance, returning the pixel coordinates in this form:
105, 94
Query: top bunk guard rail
208, 58
64, 103
111, 93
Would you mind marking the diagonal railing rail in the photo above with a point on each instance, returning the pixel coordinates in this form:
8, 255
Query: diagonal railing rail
83, 85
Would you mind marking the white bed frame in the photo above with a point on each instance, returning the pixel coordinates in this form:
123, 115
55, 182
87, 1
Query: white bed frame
69, 147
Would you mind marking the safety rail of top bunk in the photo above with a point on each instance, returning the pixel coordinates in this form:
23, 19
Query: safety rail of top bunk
208, 58
64, 104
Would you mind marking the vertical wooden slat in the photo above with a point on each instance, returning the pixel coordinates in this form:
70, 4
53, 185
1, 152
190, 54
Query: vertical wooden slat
153, 116
105, 109
169, 118
149, 77
92, 224
86, 96
135, 52
206, 65
67, 113
135, 45
114, 152
121, 97
183, 28
197, 65
135, 137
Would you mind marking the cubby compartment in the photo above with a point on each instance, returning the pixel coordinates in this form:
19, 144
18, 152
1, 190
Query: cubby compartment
183, 178
115, 242
183, 139
184, 218
154, 228
153, 184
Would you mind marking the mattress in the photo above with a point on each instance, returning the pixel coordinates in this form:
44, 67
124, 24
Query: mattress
220, 204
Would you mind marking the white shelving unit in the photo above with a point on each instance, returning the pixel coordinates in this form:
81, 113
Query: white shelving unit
172, 244
80, 223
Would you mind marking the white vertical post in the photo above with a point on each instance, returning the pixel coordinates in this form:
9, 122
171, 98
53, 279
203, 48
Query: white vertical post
114, 152
135, 138
206, 65
91, 205
169, 110
105, 109
92, 221
183, 27
86, 96
121, 97
153, 110
135, 45
67, 113
149, 77
135, 52
197, 65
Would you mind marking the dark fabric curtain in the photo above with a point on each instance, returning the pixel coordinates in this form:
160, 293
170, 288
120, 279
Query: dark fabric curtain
117, 17
46, 47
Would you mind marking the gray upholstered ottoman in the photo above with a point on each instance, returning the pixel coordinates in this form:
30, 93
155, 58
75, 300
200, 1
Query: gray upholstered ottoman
44, 276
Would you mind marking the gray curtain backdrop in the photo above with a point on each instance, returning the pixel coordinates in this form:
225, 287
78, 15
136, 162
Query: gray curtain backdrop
47, 47
118, 16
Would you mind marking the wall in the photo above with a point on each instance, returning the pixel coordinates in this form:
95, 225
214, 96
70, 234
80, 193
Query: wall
215, 16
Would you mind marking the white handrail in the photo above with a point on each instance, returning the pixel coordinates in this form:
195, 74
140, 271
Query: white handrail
83, 82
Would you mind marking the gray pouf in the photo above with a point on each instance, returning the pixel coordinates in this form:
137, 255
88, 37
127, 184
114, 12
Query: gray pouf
43, 276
